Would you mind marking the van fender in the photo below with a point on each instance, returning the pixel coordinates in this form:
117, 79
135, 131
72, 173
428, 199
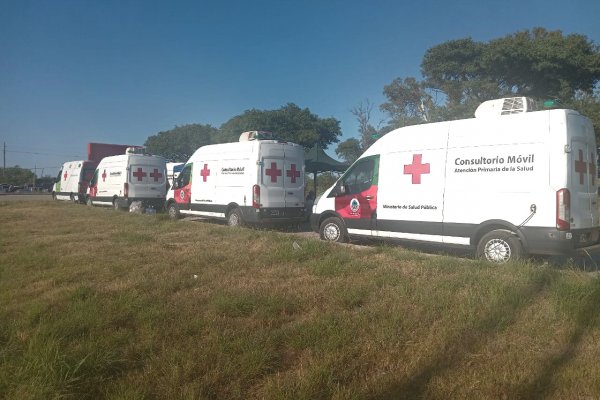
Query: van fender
327, 214
493, 224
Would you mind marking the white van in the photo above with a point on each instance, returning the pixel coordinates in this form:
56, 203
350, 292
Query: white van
507, 183
256, 180
73, 180
133, 176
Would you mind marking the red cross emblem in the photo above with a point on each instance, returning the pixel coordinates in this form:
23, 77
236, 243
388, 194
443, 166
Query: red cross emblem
581, 167
65, 175
156, 175
205, 172
292, 173
104, 176
273, 172
139, 174
416, 169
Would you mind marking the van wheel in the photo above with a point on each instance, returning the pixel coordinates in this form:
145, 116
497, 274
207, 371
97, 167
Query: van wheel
73, 198
333, 230
54, 196
500, 246
235, 218
116, 204
173, 211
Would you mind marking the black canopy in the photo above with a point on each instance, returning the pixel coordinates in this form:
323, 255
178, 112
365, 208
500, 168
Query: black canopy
316, 160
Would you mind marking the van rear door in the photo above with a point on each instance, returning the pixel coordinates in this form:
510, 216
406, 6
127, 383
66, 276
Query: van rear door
582, 181
293, 182
147, 179
272, 161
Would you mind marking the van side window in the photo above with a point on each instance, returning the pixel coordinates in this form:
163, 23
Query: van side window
184, 177
360, 177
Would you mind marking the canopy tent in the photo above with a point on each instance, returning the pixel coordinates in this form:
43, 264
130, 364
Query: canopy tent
316, 160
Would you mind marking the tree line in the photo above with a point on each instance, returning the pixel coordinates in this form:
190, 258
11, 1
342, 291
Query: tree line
457, 76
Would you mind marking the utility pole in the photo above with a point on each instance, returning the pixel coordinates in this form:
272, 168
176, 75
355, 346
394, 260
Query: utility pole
4, 162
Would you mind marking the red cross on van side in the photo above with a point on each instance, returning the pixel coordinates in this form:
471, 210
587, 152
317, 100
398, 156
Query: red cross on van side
205, 172
416, 169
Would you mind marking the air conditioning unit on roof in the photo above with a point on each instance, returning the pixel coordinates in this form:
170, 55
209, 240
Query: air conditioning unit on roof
507, 106
255, 135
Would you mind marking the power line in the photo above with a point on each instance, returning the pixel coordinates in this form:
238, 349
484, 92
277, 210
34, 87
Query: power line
40, 153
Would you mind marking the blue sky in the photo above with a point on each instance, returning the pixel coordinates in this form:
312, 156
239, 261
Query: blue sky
73, 72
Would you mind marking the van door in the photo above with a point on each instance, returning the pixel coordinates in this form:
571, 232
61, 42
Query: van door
182, 193
356, 195
583, 174
273, 169
293, 179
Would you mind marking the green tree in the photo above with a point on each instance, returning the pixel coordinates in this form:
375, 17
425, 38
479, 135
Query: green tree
179, 143
460, 74
289, 122
17, 176
349, 150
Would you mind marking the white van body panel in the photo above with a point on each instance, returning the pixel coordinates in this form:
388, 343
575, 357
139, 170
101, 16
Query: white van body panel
120, 180
222, 177
453, 182
72, 180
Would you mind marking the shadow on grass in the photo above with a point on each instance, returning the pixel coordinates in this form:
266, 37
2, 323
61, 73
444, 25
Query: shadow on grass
586, 318
468, 340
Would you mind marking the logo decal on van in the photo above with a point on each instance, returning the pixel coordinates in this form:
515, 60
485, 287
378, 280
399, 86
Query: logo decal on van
416, 169
104, 176
65, 175
354, 205
205, 172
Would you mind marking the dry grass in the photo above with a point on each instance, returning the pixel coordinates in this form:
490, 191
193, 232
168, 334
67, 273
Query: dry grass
99, 304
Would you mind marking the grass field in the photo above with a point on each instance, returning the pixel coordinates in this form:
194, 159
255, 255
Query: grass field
100, 304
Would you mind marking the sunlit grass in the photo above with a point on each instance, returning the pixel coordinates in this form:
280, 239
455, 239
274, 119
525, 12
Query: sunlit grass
101, 304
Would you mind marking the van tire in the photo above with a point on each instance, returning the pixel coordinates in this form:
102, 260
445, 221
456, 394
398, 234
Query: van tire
173, 211
116, 204
54, 196
333, 230
234, 218
499, 246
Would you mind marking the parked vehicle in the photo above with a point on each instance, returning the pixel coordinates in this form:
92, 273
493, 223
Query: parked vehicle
257, 180
510, 182
73, 180
133, 176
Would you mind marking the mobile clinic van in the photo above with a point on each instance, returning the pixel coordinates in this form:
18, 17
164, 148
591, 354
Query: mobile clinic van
72, 181
133, 176
256, 180
506, 183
